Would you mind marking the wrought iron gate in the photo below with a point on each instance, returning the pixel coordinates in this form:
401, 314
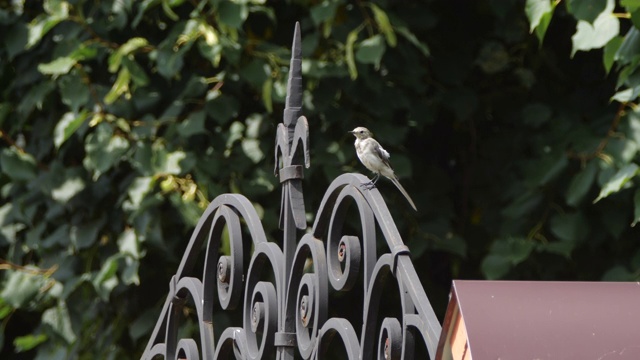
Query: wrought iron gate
286, 315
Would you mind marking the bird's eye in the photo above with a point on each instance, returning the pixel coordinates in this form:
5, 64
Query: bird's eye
361, 132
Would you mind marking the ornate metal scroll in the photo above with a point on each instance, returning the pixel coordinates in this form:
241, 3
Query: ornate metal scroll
283, 292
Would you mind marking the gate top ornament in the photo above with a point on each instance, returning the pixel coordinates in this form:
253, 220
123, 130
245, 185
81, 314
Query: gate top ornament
286, 291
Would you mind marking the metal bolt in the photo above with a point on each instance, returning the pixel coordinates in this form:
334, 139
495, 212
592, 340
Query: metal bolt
257, 316
342, 251
304, 303
387, 348
223, 269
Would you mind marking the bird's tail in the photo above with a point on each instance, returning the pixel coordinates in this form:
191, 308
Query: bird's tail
396, 182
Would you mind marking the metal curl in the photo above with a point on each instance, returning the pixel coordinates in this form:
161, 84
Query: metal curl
261, 318
381, 272
232, 341
346, 333
184, 289
187, 350
265, 256
225, 272
390, 340
344, 263
308, 292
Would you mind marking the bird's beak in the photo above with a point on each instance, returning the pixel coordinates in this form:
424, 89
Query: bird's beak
350, 132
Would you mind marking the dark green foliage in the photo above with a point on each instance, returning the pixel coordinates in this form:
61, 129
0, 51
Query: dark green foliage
121, 120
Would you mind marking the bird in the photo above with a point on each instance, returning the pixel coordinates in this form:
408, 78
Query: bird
375, 158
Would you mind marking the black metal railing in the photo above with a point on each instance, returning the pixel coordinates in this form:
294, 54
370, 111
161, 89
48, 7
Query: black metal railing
286, 315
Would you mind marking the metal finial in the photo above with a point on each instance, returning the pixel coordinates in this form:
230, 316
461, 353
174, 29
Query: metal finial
293, 103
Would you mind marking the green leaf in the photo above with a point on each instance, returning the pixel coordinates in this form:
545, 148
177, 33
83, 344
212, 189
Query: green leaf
610, 51
103, 149
138, 75
251, 148
570, 227
59, 66
407, 34
551, 167
631, 5
595, 36
18, 165
324, 11
106, 280
120, 86
542, 27
349, 58
28, 342
587, 10
193, 125
20, 288
73, 91
635, 18
535, 10
139, 188
68, 124
70, 188
128, 244
85, 235
630, 49
267, 100
626, 95
580, 184
60, 322
123, 51
617, 181
232, 14
495, 266
384, 24
40, 26
504, 254
171, 163
370, 51
35, 97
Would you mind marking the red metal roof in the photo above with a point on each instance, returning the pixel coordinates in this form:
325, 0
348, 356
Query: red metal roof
550, 320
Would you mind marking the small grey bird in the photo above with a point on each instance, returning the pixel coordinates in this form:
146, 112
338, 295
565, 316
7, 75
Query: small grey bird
376, 159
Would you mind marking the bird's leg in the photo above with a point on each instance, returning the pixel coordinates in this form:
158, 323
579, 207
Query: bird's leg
370, 184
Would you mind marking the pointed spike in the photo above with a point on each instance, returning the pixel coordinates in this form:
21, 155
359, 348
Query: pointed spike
296, 48
293, 103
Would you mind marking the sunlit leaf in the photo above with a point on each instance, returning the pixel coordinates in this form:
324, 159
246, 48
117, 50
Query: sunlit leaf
17, 165
20, 288
384, 24
58, 319
67, 125
59, 66
535, 10
28, 342
349, 56
617, 181
595, 36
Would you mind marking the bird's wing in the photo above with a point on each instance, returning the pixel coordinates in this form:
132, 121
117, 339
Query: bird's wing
383, 154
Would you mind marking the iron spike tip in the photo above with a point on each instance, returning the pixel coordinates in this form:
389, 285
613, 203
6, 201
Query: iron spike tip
296, 47
293, 102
